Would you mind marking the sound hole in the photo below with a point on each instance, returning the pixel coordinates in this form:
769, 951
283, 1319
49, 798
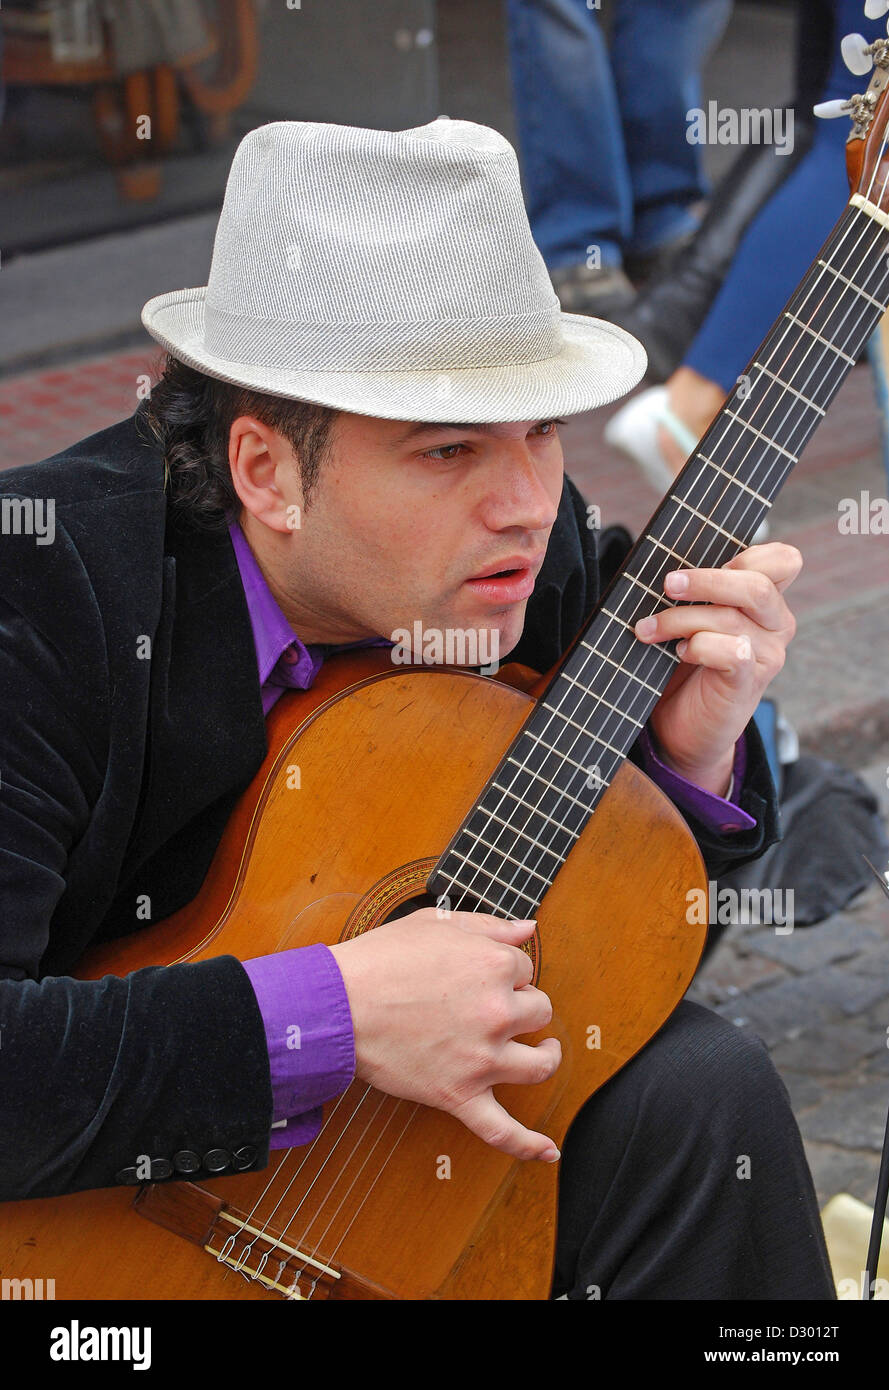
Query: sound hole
421, 900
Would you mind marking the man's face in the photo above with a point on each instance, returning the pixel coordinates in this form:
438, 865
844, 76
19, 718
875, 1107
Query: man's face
402, 519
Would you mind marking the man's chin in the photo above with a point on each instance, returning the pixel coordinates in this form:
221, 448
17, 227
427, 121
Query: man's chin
505, 627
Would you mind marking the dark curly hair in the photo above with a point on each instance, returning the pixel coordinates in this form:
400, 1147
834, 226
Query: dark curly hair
190, 415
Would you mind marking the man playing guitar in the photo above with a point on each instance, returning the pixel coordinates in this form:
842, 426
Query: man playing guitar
301, 481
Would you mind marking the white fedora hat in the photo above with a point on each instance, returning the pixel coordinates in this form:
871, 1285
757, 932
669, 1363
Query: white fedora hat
392, 274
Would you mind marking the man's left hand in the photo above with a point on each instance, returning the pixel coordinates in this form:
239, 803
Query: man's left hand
736, 627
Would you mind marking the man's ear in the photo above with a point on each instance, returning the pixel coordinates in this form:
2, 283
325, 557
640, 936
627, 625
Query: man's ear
265, 472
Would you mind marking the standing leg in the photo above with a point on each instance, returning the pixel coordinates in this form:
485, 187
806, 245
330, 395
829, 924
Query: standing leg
657, 54
577, 188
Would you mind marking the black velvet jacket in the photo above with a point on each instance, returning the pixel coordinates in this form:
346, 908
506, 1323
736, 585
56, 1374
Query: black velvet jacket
118, 771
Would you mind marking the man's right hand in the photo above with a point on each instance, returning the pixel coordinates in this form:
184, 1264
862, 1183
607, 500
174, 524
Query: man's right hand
436, 1005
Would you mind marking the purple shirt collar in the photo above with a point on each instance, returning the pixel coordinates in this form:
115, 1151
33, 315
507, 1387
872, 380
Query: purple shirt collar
282, 659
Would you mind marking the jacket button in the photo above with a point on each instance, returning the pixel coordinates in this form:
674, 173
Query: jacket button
161, 1168
186, 1162
126, 1175
243, 1157
216, 1160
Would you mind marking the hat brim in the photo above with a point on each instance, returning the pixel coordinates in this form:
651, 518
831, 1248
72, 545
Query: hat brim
599, 362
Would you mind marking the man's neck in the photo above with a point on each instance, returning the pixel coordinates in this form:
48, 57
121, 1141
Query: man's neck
312, 628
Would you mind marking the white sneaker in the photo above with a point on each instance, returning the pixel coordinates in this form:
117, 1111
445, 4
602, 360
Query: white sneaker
633, 431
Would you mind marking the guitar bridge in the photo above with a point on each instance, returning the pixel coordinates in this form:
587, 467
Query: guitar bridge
259, 1255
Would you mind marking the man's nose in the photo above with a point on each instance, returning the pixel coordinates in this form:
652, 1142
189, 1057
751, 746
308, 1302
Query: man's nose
519, 496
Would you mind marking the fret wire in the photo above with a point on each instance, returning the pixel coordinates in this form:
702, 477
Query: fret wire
653, 688
851, 284
482, 897
454, 853
834, 297
640, 699
792, 389
600, 699
759, 434
700, 515
581, 767
554, 709
518, 862
661, 598
735, 446
772, 471
623, 622
767, 393
507, 791
681, 558
539, 777
737, 481
492, 815
839, 352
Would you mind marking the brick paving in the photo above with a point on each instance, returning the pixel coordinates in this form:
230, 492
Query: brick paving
819, 997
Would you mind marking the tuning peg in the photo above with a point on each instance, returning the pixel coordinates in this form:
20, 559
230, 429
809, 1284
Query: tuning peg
874, 9
855, 53
829, 110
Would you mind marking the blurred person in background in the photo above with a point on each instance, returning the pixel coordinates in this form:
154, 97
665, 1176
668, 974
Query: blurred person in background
611, 183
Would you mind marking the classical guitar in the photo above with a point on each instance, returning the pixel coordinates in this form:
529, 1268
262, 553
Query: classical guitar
385, 789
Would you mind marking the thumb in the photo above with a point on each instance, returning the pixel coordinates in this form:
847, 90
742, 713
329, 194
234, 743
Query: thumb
485, 1117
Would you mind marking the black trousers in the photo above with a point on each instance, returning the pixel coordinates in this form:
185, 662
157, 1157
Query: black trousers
684, 1177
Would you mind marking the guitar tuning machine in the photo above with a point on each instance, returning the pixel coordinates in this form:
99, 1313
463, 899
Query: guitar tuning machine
859, 108
860, 56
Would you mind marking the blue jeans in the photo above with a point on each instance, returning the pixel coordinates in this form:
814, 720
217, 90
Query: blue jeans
601, 136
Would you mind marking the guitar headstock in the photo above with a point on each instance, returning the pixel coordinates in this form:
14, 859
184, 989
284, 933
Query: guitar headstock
867, 161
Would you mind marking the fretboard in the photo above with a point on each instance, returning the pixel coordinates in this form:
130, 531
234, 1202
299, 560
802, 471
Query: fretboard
517, 836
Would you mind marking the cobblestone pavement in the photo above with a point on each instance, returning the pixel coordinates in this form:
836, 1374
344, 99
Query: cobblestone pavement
819, 997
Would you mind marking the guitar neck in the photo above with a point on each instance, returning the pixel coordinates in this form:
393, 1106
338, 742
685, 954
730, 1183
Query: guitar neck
512, 844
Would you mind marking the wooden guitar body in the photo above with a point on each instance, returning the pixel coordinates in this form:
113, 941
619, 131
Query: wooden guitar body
368, 776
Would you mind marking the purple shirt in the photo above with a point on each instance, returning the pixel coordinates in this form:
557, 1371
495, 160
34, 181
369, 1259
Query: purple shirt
301, 995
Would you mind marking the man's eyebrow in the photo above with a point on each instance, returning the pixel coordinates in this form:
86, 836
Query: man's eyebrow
424, 428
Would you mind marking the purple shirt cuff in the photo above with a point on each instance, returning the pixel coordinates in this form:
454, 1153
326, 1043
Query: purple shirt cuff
308, 1029
718, 813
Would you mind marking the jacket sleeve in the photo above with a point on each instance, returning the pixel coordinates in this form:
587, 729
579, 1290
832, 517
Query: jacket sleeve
150, 1074
580, 562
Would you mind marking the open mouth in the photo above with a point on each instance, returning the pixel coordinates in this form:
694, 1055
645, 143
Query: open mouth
505, 586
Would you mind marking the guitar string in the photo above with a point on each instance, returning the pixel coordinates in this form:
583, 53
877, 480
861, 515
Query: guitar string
381, 1102
387, 1160
415, 1107
865, 227
287, 1157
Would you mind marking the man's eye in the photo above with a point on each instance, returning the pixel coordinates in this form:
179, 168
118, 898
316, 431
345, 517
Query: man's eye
441, 453
438, 454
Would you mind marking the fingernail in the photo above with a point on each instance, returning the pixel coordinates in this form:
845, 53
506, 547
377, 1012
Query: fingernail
677, 581
551, 1155
646, 626
524, 921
